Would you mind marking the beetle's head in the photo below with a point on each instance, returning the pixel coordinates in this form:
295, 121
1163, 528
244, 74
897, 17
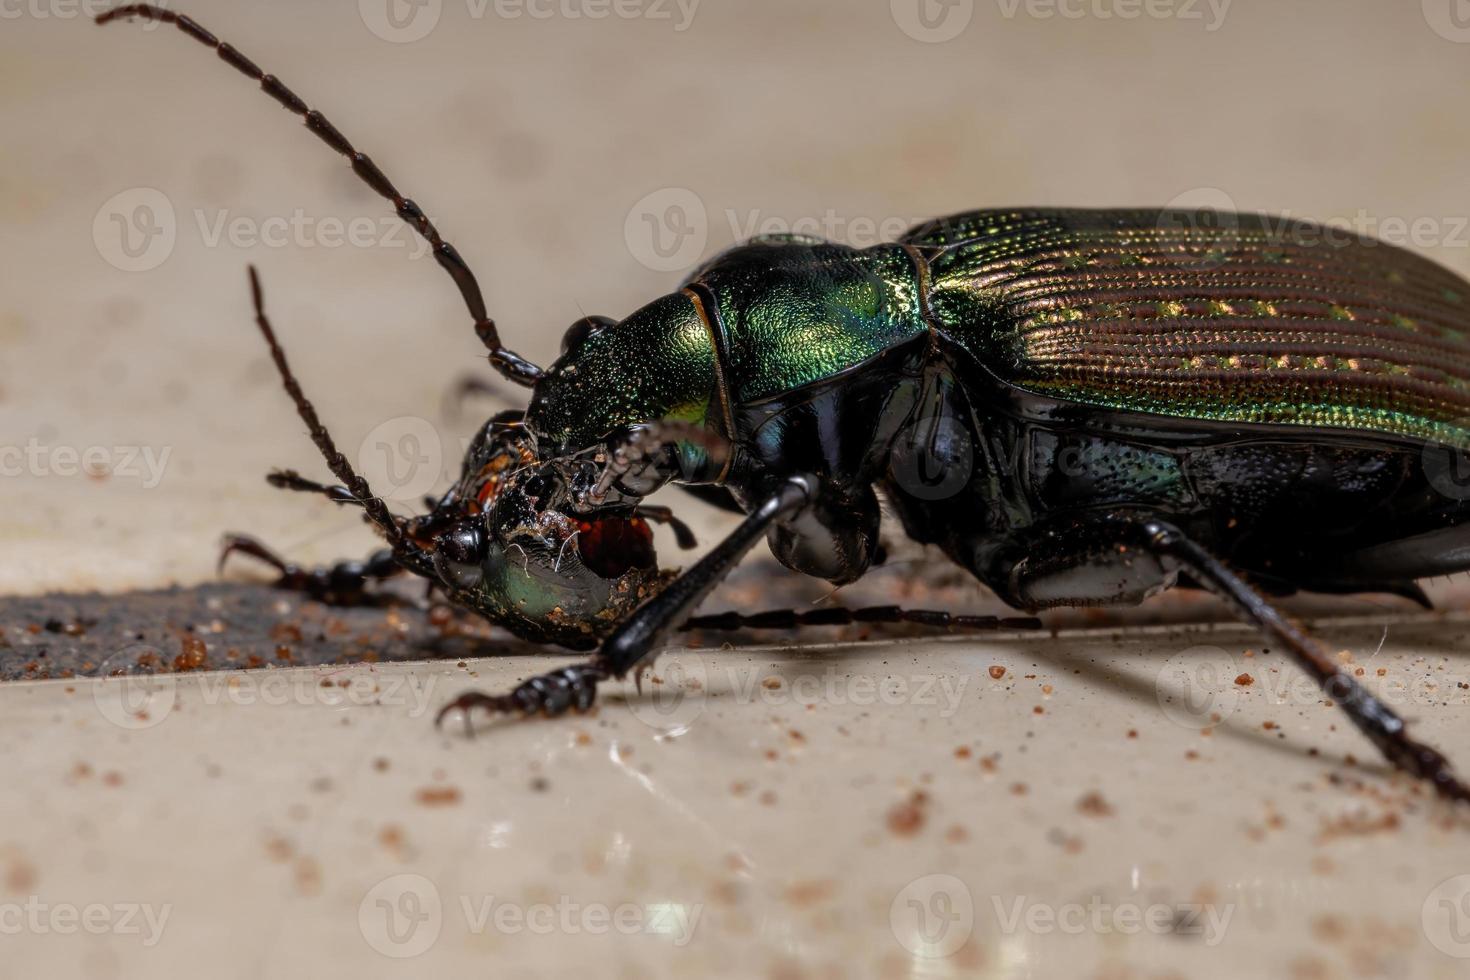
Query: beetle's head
518, 552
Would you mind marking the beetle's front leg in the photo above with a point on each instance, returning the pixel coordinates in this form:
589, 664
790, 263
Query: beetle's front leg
643, 633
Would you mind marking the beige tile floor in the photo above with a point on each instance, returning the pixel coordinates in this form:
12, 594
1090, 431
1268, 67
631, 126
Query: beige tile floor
781, 811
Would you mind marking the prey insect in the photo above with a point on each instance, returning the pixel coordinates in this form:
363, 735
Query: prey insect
1078, 407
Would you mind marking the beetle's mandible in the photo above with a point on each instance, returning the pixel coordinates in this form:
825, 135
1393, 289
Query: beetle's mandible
1078, 406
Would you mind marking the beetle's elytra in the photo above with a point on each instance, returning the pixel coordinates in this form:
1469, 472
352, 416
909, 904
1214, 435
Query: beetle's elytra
1079, 407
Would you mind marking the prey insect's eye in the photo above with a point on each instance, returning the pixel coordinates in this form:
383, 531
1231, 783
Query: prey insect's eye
459, 554
582, 329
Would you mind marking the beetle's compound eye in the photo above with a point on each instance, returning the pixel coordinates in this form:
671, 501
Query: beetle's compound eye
459, 554
582, 329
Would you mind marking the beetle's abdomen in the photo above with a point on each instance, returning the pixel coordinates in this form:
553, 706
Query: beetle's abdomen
1214, 316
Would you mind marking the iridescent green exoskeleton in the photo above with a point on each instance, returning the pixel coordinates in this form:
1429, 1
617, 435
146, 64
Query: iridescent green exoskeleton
1078, 407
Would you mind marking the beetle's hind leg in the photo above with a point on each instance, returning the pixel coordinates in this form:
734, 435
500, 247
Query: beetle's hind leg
1375, 719
342, 584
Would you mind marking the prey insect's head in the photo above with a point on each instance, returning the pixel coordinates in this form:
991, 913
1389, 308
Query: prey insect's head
523, 554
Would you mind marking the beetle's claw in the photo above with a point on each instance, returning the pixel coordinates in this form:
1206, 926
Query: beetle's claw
569, 689
467, 703
638, 674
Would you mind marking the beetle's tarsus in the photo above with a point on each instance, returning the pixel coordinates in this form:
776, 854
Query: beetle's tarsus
550, 695
1422, 762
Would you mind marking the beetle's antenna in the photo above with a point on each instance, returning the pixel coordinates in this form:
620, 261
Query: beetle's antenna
377, 511
510, 364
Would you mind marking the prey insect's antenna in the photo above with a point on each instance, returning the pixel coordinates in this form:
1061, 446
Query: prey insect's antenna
510, 364
377, 511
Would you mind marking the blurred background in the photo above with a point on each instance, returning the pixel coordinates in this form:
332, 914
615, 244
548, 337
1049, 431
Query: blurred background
583, 155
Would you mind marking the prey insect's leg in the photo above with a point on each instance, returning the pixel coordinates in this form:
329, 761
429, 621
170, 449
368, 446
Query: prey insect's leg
291, 480
683, 533
645, 631
342, 584
510, 364
790, 619
1373, 718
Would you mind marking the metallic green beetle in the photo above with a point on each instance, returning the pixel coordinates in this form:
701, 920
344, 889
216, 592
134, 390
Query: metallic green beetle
1079, 407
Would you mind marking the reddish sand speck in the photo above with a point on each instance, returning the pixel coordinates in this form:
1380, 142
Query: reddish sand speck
439, 796
907, 818
1093, 805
